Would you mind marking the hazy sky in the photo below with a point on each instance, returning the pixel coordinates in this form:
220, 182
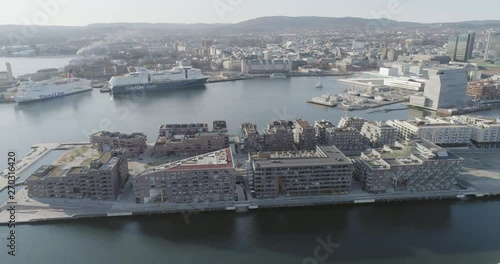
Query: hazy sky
83, 12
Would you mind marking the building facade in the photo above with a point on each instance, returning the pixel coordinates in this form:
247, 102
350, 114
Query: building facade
352, 121
445, 88
190, 139
404, 83
304, 135
441, 131
130, 145
101, 180
266, 66
278, 136
484, 90
210, 177
485, 130
460, 47
321, 126
322, 171
251, 140
349, 140
378, 133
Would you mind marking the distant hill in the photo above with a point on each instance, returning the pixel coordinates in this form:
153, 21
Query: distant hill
280, 23
54, 34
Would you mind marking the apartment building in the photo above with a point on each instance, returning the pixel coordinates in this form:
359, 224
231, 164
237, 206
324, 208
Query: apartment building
324, 170
352, 121
379, 133
279, 135
101, 179
304, 135
441, 131
484, 89
130, 145
251, 140
190, 139
415, 166
321, 126
486, 130
349, 140
210, 177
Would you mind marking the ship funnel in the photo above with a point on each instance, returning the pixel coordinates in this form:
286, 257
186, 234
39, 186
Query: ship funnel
10, 77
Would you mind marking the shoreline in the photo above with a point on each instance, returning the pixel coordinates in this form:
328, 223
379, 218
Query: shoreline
78, 211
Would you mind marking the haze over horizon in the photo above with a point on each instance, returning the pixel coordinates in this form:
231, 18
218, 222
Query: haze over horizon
74, 13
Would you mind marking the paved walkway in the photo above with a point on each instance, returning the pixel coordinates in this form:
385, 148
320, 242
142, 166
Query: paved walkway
23, 163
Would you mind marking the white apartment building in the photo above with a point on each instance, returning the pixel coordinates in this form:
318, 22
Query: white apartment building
436, 130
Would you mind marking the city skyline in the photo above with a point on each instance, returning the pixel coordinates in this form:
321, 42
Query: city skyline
68, 12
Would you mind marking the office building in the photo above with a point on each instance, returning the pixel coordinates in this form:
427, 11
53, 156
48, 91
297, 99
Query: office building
379, 133
460, 47
129, 145
414, 166
492, 49
100, 179
210, 177
304, 135
324, 170
445, 88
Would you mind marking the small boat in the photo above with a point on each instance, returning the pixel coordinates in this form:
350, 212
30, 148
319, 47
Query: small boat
278, 75
97, 84
319, 84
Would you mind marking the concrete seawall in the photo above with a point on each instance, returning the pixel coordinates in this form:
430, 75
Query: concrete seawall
51, 210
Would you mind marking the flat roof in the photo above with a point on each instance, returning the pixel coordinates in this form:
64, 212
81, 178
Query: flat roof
303, 123
105, 157
322, 156
220, 159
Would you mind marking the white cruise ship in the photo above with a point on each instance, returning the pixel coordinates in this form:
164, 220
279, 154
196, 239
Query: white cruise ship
182, 76
33, 91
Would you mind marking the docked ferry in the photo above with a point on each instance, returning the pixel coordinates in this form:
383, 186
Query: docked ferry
143, 79
29, 91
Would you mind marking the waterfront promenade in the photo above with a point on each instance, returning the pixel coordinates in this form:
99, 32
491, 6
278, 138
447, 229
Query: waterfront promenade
23, 163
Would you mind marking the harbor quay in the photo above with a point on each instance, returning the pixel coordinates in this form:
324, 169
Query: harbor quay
25, 162
42, 210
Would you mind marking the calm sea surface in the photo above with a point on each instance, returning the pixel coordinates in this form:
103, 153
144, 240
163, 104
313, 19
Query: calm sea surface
424, 232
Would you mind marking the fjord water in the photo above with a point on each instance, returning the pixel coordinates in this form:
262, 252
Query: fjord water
423, 232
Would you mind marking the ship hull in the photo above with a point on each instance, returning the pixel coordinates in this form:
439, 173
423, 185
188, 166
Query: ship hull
166, 86
28, 99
